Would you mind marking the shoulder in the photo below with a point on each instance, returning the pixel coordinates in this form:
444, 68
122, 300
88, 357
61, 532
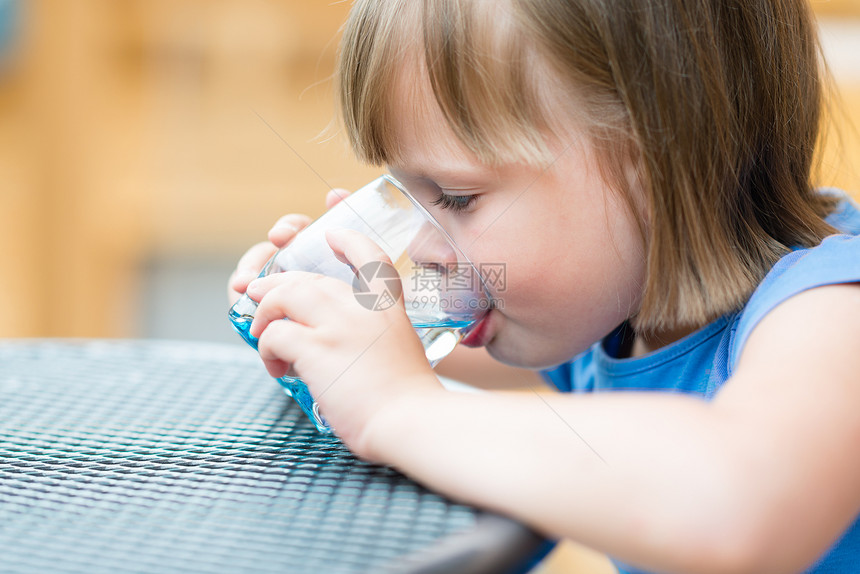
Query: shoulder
846, 216
835, 261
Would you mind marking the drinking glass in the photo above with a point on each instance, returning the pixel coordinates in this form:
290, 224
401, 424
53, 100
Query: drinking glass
444, 295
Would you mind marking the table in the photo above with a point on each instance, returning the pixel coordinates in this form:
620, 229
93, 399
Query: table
157, 456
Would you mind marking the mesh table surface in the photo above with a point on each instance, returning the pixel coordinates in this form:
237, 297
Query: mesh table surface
180, 457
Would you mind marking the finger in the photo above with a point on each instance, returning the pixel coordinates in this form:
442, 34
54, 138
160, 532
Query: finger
355, 248
286, 228
379, 285
334, 196
250, 265
278, 346
307, 298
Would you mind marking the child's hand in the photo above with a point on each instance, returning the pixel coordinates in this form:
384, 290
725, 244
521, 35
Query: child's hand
354, 360
251, 263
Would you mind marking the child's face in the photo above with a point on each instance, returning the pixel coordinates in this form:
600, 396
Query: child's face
572, 252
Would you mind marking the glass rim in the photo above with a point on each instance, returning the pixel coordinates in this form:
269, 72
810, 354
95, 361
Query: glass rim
429, 217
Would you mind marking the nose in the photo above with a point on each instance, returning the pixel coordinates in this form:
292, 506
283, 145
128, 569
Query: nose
429, 248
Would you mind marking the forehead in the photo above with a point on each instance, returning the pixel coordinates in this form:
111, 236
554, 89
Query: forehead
423, 137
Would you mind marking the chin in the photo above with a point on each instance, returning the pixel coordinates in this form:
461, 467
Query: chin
527, 356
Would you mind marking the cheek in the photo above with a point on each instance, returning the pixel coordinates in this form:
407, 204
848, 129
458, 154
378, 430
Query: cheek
566, 290
560, 265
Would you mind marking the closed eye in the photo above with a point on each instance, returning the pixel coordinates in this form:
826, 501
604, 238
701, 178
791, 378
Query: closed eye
455, 203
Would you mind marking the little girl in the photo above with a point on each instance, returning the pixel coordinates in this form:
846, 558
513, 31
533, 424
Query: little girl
642, 169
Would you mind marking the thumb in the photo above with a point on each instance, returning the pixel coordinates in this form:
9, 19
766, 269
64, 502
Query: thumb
375, 274
355, 248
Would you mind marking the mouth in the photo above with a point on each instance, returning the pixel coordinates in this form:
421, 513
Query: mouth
478, 336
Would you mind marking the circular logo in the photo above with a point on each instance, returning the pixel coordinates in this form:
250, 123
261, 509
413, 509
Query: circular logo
377, 286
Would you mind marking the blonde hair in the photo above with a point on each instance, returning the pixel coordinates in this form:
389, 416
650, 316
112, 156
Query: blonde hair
718, 103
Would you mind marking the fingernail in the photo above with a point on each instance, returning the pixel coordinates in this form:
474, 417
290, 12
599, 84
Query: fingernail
284, 226
253, 288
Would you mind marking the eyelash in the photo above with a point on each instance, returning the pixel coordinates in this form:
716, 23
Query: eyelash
456, 203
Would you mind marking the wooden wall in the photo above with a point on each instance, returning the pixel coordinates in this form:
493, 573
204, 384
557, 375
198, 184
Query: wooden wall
138, 129
145, 127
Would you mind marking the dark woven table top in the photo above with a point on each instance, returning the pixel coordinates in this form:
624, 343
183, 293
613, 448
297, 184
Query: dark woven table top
179, 457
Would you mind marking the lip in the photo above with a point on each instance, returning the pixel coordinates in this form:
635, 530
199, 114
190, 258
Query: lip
479, 335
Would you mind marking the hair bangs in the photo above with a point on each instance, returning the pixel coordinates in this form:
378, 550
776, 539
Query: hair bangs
371, 50
469, 61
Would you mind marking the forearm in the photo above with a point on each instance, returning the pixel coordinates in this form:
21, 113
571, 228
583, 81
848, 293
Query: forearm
640, 474
475, 367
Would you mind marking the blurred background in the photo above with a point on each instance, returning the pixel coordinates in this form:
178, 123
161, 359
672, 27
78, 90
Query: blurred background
145, 144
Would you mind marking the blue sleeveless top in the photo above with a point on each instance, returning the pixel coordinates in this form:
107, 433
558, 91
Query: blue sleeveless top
701, 362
